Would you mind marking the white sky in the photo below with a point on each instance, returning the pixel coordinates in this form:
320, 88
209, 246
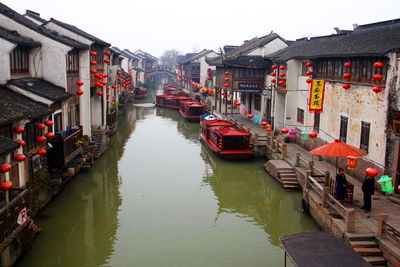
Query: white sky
188, 26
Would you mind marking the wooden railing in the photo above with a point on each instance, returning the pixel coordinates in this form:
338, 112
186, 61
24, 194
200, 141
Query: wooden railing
72, 147
277, 146
386, 230
9, 215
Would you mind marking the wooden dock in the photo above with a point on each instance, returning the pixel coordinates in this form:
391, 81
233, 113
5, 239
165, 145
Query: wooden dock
283, 173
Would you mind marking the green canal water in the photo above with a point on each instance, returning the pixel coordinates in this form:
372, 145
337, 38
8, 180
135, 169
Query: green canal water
157, 197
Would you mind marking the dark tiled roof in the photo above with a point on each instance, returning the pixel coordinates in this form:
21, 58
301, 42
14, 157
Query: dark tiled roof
115, 51
196, 56
8, 12
371, 40
249, 61
14, 37
34, 15
132, 55
148, 56
228, 48
76, 30
7, 145
15, 107
183, 58
41, 88
215, 61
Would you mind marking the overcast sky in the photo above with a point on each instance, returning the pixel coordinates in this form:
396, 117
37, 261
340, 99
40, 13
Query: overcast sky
190, 26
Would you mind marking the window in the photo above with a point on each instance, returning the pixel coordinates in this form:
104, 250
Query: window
243, 98
6, 131
364, 142
73, 115
317, 117
29, 135
304, 68
57, 122
343, 128
257, 102
73, 62
19, 60
300, 115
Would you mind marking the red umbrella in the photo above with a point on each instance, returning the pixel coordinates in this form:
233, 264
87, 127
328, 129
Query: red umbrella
338, 149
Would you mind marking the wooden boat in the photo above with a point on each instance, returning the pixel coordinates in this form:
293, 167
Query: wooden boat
170, 88
225, 139
140, 93
171, 101
192, 110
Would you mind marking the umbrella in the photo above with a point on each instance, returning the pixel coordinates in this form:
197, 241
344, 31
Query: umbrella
337, 149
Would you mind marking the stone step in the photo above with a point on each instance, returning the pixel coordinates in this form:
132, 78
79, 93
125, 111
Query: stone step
290, 182
363, 244
289, 179
360, 237
368, 251
375, 260
288, 176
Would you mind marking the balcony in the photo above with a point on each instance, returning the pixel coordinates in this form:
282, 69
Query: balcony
9, 228
65, 148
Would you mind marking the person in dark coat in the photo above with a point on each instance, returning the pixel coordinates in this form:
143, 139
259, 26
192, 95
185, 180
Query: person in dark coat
368, 188
341, 183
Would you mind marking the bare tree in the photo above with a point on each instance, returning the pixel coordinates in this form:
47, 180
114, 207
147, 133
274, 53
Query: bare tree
169, 58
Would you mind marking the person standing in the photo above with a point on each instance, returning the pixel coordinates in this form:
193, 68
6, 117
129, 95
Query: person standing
341, 184
368, 188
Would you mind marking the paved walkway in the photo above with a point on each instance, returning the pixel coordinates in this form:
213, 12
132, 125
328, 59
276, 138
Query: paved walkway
365, 222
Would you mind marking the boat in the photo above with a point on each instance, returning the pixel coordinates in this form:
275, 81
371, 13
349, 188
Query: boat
140, 93
192, 110
170, 88
225, 139
171, 101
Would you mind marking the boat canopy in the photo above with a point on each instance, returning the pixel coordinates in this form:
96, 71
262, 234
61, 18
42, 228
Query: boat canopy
231, 131
217, 122
315, 249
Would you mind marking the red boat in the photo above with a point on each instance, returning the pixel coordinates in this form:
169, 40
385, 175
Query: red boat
225, 139
192, 110
139, 93
171, 101
170, 88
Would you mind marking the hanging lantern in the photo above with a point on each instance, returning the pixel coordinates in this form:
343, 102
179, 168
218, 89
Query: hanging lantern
281, 82
93, 62
209, 69
347, 64
21, 143
209, 78
309, 81
371, 172
292, 134
19, 129
284, 131
273, 81
347, 75
227, 79
282, 74
119, 73
386, 184
93, 53
79, 92
41, 152
309, 73
40, 139
282, 67
114, 86
346, 86
119, 79
378, 77
93, 71
6, 185
79, 83
107, 53
305, 136
377, 89
226, 85
20, 157
100, 93
309, 64
264, 123
40, 126
351, 162
268, 128
5, 167
250, 116
48, 123
49, 135
227, 73
274, 67
107, 61
273, 74
313, 135
379, 65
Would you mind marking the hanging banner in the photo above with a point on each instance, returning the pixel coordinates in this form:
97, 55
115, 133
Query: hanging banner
316, 101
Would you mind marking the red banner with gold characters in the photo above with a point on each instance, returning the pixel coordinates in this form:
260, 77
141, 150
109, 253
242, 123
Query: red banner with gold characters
316, 101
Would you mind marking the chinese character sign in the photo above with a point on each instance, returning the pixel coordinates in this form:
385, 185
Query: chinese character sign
316, 100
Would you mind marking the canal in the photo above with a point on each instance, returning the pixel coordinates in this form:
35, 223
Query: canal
157, 197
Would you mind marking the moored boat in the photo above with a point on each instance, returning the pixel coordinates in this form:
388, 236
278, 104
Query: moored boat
225, 139
140, 93
192, 110
171, 101
170, 88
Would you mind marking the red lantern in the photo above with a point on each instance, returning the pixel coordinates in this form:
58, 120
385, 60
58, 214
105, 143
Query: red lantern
209, 69
313, 134
119, 73
6, 185
20, 157
40, 139
79, 83
309, 64
227, 73
97, 84
282, 67
346, 86
282, 74
273, 81
107, 95
107, 101
79, 92
264, 123
119, 79
378, 77
347, 75
274, 67
114, 86
284, 131
41, 152
351, 162
107, 53
281, 82
347, 65
21, 143
227, 79
209, 78
379, 65
273, 74
268, 128
93, 62
226, 85
371, 172
48, 123
250, 116
377, 89
107, 61
93, 71
309, 81
93, 53
100, 93
49, 135
5, 168
98, 76
309, 73
40, 126
19, 129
